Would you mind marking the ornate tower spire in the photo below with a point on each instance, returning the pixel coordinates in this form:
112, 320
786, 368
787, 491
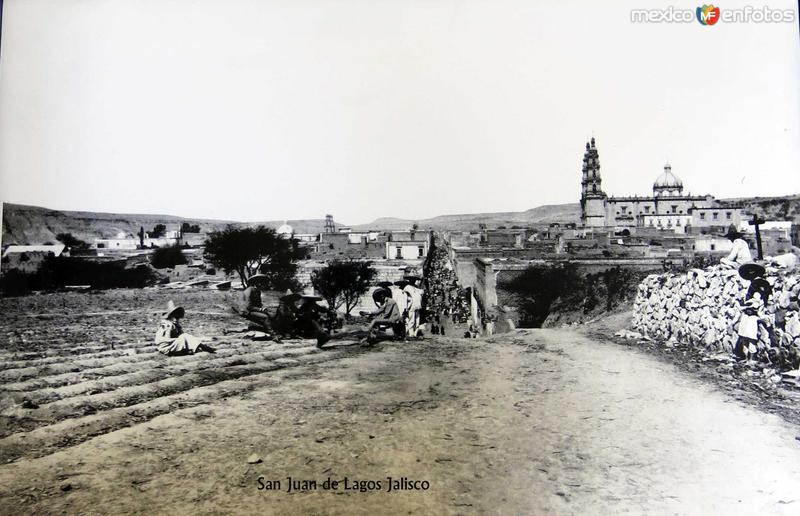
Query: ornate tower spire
591, 183
593, 199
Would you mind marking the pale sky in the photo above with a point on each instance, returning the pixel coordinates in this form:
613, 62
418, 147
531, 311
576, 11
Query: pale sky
257, 110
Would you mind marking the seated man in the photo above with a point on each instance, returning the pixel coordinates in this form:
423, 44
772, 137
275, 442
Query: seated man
740, 252
249, 304
387, 314
285, 320
171, 340
309, 316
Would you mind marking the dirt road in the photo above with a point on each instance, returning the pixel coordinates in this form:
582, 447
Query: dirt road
537, 421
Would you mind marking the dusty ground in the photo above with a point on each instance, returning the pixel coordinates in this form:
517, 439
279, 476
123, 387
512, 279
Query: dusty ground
537, 421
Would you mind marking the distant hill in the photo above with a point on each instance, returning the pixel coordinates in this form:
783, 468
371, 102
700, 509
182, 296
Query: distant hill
786, 207
541, 215
28, 225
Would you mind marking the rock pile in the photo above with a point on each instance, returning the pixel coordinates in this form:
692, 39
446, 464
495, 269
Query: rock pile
704, 308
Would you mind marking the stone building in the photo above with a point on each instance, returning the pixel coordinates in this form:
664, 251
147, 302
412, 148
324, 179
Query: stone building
669, 208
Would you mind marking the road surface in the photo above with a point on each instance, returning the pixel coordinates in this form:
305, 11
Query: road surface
531, 422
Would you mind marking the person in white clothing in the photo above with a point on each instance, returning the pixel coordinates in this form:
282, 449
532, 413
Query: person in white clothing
740, 252
414, 295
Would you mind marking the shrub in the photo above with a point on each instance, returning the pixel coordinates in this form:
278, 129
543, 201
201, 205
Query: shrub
167, 257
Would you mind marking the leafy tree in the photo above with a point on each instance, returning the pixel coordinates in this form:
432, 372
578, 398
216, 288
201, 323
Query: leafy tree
190, 228
71, 241
248, 251
167, 257
159, 230
343, 282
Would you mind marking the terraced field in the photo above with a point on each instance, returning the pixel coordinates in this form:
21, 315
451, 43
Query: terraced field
74, 366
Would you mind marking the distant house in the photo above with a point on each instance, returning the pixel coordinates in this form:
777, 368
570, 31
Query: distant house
55, 249
121, 241
126, 241
406, 250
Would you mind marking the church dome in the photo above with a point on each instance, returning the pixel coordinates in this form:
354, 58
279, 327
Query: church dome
667, 179
286, 229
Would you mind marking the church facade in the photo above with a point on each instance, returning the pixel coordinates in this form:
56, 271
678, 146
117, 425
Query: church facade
669, 208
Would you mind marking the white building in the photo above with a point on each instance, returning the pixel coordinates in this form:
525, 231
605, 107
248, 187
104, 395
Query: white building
407, 250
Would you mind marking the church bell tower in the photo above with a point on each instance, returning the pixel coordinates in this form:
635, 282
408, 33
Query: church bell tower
593, 199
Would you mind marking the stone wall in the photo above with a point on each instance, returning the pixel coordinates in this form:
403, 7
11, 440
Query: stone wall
386, 270
704, 307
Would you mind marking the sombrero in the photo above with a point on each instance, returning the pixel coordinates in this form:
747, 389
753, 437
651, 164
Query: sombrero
751, 271
760, 286
174, 311
380, 293
256, 277
732, 232
290, 297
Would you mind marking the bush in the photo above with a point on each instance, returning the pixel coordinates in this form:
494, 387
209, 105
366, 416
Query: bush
71, 241
537, 288
159, 230
190, 228
17, 283
540, 290
167, 257
58, 272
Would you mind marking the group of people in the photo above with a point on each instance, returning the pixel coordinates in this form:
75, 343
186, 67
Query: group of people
446, 300
398, 307
297, 315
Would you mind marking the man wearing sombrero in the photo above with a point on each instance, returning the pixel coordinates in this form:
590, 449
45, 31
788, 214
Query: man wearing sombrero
387, 314
740, 252
309, 316
170, 338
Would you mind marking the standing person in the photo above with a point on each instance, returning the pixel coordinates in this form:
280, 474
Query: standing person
746, 344
414, 294
740, 252
171, 340
387, 314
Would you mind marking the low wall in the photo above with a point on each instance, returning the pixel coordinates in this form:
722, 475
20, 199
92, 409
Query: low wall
385, 270
703, 308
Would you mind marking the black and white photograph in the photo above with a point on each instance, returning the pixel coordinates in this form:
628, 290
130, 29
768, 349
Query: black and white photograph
445, 257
